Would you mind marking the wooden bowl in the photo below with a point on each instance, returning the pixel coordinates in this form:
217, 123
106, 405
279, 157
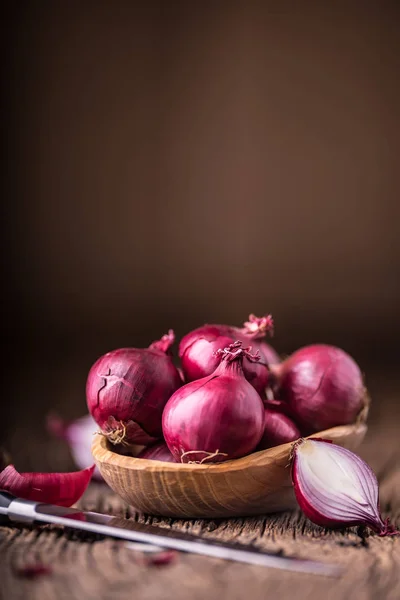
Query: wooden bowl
256, 484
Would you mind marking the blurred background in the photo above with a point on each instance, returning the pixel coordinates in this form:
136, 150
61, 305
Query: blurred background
175, 163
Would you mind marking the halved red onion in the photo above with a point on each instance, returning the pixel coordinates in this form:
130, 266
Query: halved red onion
278, 429
336, 488
63, 489
197, 349
218, 417
128, 388
322, 385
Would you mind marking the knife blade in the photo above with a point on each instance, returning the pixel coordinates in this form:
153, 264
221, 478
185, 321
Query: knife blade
27, 511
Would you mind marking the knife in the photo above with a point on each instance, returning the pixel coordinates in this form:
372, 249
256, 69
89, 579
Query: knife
152, 537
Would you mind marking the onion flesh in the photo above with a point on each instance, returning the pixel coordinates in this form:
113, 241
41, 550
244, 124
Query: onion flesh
336, 488
322, 385
218, 417
128, 388
63, 489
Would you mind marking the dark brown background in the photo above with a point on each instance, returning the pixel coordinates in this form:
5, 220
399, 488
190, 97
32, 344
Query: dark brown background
171, 163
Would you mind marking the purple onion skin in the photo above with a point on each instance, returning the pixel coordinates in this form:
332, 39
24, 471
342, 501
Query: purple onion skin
197, 356
196, 351
159, 451
278, 429
127, 390
322, 385
216, 418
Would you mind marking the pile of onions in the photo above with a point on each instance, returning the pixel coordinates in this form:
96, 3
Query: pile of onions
229, 395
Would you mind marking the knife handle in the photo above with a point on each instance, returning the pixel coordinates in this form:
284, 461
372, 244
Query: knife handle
5, 501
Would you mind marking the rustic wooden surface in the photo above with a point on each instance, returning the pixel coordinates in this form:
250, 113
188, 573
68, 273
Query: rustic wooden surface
86, 566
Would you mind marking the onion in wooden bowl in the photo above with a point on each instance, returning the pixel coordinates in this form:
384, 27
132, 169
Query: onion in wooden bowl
255, 484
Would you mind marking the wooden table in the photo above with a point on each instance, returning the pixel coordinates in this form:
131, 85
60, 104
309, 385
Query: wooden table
86, 566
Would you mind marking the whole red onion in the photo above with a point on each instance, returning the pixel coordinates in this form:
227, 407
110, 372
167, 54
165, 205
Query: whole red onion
218, 417
158, 451
278, 429
322, 385
127, 390
197, 349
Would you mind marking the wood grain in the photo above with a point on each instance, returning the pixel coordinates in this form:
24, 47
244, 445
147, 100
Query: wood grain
88, 567
256, 484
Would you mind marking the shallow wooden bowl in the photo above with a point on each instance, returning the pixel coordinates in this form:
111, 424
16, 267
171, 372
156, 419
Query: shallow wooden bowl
256, 484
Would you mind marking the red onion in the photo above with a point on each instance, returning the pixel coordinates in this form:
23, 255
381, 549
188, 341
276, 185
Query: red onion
128, 388
218, 417
322, 385
63, 489
159, 451
79, 436
197, 349
336, 488
278, 429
